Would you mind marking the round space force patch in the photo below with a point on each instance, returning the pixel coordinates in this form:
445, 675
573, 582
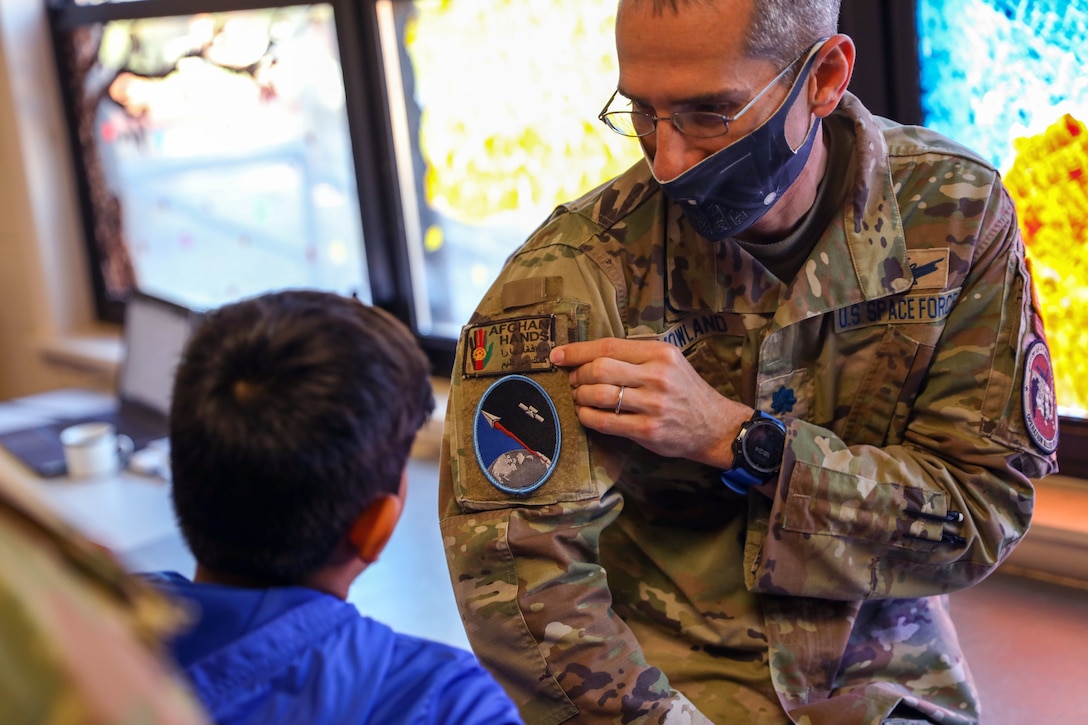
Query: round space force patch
1040, 403
516, 435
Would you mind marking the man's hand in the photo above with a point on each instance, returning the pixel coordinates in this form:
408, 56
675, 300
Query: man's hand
666, 407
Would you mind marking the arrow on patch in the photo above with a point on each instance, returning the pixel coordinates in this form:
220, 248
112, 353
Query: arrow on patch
493, 421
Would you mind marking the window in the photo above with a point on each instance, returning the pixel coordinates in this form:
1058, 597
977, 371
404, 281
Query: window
499, 101
1005, 77
227, 148
216, 153
402, 149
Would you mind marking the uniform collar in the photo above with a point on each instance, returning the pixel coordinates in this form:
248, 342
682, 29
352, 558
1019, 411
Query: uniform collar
861, 256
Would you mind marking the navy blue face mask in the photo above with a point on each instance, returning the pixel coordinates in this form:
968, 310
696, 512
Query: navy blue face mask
733, 188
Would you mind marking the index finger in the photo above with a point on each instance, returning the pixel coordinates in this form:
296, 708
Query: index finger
574, 354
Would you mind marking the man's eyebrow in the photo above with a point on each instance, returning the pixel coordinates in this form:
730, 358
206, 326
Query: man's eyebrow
720, 98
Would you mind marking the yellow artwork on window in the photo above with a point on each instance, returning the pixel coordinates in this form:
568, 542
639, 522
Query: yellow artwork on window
1049, 183
511, 125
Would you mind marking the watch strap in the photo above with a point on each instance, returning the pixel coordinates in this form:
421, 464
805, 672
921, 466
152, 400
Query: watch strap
740, 480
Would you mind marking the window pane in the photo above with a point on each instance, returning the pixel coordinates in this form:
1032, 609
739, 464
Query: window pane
1006, 77
217, 150
498, 125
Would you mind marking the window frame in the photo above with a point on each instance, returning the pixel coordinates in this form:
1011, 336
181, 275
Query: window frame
369, 124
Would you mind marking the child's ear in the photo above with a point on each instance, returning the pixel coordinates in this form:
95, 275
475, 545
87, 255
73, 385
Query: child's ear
371, 531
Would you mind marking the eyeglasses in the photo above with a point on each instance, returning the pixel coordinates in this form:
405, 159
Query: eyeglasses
700, 124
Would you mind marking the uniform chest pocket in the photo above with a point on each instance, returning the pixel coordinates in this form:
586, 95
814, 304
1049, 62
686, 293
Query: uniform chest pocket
886, 392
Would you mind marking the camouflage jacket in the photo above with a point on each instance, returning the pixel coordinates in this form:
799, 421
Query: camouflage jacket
602, 583
79, 637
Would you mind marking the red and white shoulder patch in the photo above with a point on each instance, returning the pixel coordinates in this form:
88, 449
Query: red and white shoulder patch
1040, 403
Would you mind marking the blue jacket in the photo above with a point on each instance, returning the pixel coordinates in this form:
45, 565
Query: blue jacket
296, 655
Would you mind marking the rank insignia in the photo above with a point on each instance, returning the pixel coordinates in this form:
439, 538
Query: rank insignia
783, 400
517, 345
1040, 403
516, 435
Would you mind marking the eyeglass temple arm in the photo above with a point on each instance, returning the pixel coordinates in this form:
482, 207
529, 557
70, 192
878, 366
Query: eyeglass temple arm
600, 116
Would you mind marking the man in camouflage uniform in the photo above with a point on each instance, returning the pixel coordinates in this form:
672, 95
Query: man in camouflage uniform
879, 308
79, 637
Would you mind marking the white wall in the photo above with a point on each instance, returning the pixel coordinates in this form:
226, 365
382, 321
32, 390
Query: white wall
45, 295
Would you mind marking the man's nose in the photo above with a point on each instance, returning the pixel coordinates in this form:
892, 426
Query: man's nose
672, 152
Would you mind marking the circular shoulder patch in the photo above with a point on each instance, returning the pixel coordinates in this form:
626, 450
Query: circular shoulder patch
516, 435
1040, 403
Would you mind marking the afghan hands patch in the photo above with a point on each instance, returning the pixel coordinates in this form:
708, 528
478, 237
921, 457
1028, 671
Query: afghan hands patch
517, 345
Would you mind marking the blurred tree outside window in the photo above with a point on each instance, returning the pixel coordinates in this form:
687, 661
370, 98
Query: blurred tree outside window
217, 154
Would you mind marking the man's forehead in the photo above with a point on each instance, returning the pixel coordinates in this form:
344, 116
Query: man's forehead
675, 7
673, 52
692, 81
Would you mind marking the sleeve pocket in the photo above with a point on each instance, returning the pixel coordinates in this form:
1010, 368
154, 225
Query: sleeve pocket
514, 437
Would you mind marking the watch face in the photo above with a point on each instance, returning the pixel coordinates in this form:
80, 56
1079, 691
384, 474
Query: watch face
763, 443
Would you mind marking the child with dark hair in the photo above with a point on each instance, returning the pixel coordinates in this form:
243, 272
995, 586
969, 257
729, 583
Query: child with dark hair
292, 420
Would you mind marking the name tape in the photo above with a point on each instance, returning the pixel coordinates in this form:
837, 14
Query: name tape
907, 309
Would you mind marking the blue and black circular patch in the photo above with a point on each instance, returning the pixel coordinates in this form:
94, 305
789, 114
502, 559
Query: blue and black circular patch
516, 435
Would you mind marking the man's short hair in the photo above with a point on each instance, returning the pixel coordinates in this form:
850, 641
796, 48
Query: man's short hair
781, 30
291, 412
784, 29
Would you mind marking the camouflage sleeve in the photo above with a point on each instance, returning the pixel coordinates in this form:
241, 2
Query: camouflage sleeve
79, 637
521, 522
941, 508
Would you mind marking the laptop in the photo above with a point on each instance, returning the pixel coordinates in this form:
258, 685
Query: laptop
154, 335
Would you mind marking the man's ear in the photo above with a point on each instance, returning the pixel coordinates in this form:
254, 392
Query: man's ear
831, 75
372, 530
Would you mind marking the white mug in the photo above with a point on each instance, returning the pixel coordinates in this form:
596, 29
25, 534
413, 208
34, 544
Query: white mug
94, 449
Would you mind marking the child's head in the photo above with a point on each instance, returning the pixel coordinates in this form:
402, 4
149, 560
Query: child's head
292, 412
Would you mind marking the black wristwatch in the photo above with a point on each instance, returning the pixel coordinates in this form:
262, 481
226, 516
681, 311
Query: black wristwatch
757, 452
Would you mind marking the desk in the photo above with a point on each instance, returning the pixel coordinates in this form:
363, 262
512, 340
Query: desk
128, 513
